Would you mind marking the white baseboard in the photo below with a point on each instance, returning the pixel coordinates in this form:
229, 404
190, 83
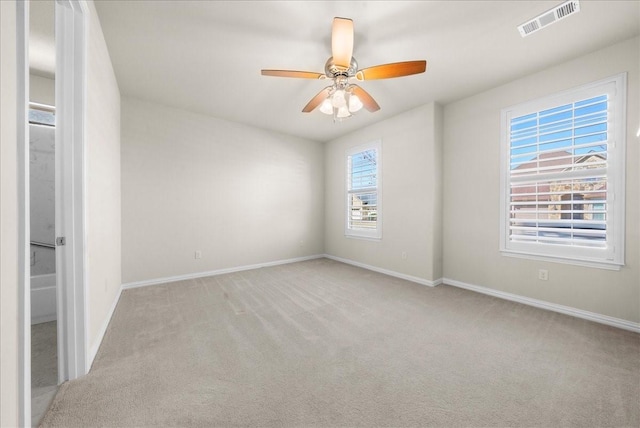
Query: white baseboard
103, 330
567, 310
43, 319
387, 272
216, 272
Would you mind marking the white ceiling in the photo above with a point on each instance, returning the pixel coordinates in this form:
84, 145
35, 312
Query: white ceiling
206, 56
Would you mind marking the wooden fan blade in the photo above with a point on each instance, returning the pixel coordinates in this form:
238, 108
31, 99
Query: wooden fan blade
368, 101
342, 41
315, 101
293, 73
396, 69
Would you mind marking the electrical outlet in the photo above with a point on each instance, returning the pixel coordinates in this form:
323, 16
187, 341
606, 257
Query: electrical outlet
543, 274
198, 254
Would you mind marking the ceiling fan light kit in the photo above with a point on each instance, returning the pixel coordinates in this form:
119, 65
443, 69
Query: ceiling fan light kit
341, 102
342, 99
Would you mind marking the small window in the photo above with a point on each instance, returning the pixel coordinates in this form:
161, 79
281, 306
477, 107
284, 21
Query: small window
563, 176
41, 114
364, 202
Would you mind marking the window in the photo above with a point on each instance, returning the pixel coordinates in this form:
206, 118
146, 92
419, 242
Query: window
364, 202
41, 114
563, 176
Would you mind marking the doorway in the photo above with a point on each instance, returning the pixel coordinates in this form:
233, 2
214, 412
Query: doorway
42, 181
67, 319
44, 336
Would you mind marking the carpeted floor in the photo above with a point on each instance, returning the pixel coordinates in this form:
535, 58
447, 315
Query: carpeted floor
321, 343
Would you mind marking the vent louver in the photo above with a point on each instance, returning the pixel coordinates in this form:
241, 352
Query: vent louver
567, 9
549, 17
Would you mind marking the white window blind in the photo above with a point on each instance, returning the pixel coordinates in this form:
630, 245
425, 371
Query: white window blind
363, 196
563, 169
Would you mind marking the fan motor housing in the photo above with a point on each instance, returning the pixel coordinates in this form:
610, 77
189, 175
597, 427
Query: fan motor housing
332, 70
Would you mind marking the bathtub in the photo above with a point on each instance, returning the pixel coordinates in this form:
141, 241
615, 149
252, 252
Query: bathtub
43, 298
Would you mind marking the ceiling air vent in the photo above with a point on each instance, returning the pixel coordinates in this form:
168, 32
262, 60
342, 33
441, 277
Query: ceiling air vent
549, 17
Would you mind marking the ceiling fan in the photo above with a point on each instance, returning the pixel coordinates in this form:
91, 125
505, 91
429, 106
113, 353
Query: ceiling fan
342, 98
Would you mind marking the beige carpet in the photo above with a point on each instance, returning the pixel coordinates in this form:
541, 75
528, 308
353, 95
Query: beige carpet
321, 343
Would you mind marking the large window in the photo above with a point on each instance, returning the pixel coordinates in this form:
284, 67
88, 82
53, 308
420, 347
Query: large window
563, 176
364, 200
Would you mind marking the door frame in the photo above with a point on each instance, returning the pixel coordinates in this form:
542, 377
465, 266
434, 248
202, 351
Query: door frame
71, 18
70, 83
24, 218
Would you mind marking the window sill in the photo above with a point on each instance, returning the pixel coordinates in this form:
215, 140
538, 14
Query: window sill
608, 265
364, 238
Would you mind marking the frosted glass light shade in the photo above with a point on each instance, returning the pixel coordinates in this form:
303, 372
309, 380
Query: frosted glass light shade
338, 100
326, 107
354, 103
343, 112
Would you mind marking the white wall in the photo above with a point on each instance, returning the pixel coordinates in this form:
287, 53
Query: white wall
472, 193
411, 195
103, 228
190, 182
8, 218
42, 90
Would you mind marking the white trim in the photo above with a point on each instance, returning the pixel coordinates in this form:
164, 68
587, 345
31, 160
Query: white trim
23, 211
167, 279
558, 259
395, 274
71, 55
93, 351
42, 107
567, 310
362, 238
43, 319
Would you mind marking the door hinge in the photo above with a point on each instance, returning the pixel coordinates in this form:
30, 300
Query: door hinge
60, 240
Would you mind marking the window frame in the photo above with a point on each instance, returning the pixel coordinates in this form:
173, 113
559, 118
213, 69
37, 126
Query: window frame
371, 234
611, 257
